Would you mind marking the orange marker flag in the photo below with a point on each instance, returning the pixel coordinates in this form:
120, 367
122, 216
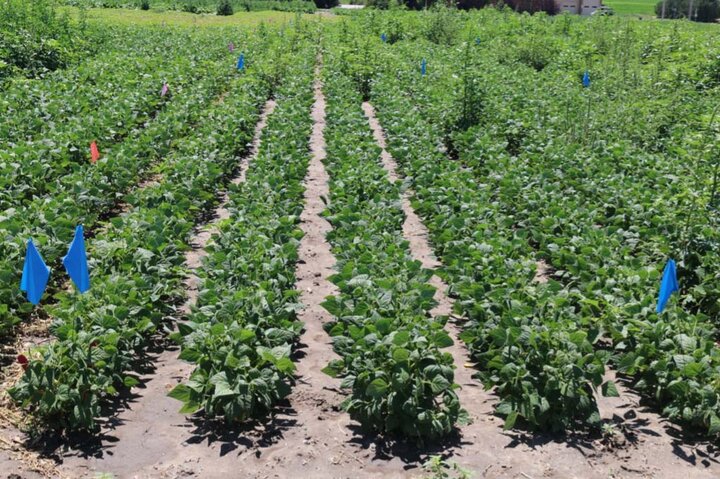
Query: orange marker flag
94, 153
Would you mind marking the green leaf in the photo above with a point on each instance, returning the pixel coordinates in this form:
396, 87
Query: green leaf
335, 368
443, 340
401, 355
439, 384
401, 338
190, 355
332, 305
510, 421
222, 389
180, 392
714, 428
610, 390
130, 381
285, 365
383, 326
377, 388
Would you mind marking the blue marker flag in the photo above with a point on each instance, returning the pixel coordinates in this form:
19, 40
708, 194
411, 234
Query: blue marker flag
75, 261
35, 274
241, 62
668, 286
586, 79
383, 37
477, 41
423, 67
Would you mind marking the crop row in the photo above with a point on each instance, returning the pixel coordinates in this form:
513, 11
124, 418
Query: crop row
137, 271
90, 193
131, 61
605, 218
242, 330
402, 382
545, 370
526, 336
102, 100
541, 199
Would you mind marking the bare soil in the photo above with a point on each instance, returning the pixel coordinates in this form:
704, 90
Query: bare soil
311, 437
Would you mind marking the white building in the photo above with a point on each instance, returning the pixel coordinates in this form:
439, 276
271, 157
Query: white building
580, 7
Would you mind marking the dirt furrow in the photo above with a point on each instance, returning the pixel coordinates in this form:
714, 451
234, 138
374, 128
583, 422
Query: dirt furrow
416, 234
194, 257
637, 446
312, 436
148, 437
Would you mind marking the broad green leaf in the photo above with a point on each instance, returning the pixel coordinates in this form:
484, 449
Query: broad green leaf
610, 390
377, 388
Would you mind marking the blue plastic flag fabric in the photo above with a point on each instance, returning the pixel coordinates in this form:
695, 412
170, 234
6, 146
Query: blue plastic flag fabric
35, 274
241, 62
423, 67
586, 79
477, 41
75, 261
383, 37
668, 286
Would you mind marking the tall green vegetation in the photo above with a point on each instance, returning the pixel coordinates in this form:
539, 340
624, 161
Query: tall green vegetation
201, 6
35, 39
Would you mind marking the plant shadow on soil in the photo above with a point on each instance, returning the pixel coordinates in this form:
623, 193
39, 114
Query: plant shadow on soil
250, 436
692, 447
627, 431
53, 445
411, 453
695, 441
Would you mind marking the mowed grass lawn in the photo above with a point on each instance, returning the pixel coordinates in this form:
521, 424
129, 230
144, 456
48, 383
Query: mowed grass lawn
632, 7
170, 17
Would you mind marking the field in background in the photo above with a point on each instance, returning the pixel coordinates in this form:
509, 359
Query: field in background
632, 7
159, 17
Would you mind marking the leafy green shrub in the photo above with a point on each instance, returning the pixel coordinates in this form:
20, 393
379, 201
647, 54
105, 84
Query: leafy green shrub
442, 26
34, 39
190, 7
535, 52
394, 31
144, 4
710, 73
225, 8
210, 6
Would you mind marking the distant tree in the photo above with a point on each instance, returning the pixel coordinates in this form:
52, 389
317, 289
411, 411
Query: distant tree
379, 4
469, 4
533, 6
327, 3
702, 10
225, 8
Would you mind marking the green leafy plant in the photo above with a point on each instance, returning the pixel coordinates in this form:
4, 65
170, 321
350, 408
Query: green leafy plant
438, 468
241, 334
